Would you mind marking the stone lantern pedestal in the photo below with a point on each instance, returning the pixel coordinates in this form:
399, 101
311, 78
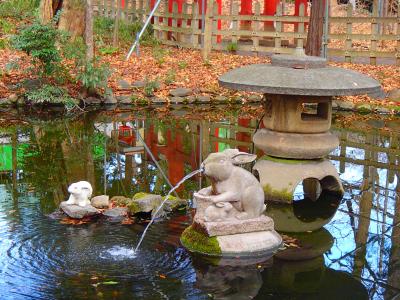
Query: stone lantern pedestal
298, 91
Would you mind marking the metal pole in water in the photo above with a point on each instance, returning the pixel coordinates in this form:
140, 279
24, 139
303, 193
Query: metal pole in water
136, 43
154, 160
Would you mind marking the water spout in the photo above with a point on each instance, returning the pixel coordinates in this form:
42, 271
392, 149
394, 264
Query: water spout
162, 203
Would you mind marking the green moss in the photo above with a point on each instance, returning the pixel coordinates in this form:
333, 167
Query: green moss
140, 195
279, 195
134, 208
172, 198
288, 161
198, 242
364, 108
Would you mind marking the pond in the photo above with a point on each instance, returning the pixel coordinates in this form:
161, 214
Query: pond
42, 258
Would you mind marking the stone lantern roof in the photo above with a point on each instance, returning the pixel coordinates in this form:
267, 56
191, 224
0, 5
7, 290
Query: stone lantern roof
299, 75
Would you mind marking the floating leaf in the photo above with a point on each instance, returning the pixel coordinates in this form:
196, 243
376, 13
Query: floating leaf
109, 282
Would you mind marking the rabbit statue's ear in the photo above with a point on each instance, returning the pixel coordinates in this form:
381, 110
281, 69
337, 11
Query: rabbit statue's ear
243, 158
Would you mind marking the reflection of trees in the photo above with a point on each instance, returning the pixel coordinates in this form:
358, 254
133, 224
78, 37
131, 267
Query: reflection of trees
60, 153
394, 261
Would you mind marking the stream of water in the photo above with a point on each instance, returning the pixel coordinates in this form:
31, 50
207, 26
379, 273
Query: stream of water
161, 205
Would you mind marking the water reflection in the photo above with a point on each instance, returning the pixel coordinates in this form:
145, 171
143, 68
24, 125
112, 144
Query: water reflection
358, 255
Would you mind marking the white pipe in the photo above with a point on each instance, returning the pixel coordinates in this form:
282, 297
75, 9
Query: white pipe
143, 29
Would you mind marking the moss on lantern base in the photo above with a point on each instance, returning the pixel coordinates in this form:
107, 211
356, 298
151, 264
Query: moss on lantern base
199, 242
288, 161
283, 195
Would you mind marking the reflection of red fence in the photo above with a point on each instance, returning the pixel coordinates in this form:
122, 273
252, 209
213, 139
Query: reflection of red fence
127, 135
173, 151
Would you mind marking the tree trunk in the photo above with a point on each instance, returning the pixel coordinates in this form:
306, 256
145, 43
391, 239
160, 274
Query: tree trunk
315, 28
46, 11
89, 30
72, 18
116, 24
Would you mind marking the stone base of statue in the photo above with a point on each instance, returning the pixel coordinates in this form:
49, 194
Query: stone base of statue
230, 237
279, 178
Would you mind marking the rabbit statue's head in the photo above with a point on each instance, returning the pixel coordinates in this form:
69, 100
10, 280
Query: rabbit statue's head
219, 166
81, 189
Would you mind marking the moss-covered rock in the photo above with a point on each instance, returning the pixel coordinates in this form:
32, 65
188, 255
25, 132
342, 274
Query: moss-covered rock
134, 208
140, 195
364, 108
120, 200
198, 242
174, 203
144, 202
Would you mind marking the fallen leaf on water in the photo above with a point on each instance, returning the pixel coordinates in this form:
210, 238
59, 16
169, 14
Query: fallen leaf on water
109, 282
127, 221
70, 221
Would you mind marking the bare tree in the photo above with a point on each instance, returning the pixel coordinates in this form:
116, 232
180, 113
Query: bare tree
315, 28
89, 30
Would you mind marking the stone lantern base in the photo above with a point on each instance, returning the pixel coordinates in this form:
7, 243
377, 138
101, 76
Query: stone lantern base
280, 177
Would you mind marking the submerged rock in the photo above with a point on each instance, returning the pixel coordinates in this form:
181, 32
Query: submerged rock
56, 215
101, 201
78, 212
116, 214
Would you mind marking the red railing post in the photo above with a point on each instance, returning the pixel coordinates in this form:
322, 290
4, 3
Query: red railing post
270, 10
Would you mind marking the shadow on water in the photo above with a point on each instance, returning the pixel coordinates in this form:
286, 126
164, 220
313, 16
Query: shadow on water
354, 256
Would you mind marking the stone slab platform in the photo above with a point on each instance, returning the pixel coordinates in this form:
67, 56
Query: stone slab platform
234, 226
249, 244
78, 212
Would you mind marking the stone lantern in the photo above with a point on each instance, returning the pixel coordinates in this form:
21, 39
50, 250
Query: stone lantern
295, 138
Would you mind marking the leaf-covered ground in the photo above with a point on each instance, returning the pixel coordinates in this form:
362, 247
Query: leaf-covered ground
173, 67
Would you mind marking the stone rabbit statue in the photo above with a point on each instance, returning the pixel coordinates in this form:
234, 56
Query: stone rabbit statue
80, 193
231, 185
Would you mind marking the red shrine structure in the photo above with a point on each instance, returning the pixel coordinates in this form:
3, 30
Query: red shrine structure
246, 8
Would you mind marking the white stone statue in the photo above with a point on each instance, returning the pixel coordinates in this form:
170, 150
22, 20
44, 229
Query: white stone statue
80, 193
235, 193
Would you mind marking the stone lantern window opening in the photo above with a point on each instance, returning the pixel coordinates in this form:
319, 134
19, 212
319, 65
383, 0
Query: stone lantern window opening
315, 111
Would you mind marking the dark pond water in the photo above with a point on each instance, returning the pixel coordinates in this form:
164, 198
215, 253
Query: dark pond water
40, 258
